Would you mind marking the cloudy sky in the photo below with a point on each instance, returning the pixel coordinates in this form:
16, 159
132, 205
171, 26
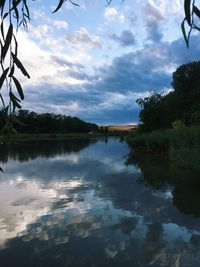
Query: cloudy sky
94, 61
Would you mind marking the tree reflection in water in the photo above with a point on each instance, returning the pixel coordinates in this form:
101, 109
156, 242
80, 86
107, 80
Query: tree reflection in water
65, 206
159, 173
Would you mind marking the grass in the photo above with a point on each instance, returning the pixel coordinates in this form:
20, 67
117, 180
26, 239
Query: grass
59, 136
181, 145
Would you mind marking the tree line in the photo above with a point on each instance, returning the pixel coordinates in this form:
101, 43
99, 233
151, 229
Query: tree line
179, 107
25, 121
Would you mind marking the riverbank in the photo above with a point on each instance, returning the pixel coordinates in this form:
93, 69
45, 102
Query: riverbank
59, 136
179, 145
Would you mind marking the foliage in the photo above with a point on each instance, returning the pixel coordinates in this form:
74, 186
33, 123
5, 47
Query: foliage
178, 107
150, 113
182, 145
186, 78
178, 124
192, 16
25, 121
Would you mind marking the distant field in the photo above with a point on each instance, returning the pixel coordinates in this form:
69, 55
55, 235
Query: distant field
121, 128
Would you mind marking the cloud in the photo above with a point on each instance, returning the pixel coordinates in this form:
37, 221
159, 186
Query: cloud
70, 76
66, 63
127, 38
110, 13
82, 38
109, 93
165, 6
60, 24
178, 54
154, 20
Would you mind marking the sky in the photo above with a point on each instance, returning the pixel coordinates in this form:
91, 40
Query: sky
94, 61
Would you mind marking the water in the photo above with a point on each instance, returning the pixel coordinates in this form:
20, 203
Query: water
90, 203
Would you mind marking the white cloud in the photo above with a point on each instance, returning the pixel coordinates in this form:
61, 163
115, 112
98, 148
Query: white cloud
110, 13
41, 63
165, 6
60, 24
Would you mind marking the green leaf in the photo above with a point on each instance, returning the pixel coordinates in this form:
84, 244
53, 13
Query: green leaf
20, 66
19, 88
14, 100
59, 5
196, 11
184, 33
3, 77
7, 42
17, 121
187, 4
2, 100
1, 169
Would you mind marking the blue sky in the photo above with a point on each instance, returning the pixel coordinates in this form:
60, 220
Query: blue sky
94, 61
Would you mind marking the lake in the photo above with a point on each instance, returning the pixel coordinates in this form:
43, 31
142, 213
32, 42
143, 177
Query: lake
91, 203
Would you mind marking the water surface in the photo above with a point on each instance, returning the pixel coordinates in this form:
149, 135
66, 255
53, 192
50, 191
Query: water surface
89, 203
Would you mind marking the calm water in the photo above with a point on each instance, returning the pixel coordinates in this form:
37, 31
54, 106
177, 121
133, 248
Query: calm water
89, 203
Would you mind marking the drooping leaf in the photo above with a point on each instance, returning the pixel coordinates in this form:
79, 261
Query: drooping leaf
16, 2
1, 169
59, 5
17, 121
2, 26
3, 77
184, 33
196, 11
27, 10
187, 4
20, 66
12, 70
7, 42
19, 88
2, 30
75, 4
2, 4
2, 100
16, 15
108, 2
16, 45
14, 100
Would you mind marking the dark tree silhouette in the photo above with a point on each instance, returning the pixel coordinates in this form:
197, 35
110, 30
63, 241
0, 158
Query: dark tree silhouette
159, 111
31, 122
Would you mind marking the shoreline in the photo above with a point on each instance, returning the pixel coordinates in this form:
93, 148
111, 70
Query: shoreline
58, 136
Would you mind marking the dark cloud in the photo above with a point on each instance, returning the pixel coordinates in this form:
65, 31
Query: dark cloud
108, 94
132, 19
153, 20
67, 63
127, 38
82, 38
179, 54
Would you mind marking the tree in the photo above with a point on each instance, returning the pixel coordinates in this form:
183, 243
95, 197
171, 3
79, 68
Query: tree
161, 111
186, 78
16, 13
151, 111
